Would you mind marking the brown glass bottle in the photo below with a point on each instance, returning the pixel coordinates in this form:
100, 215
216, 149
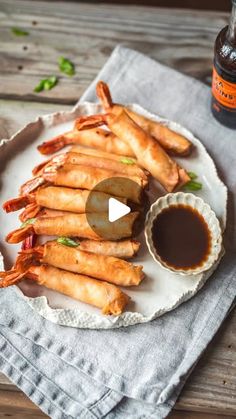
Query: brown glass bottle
224, 74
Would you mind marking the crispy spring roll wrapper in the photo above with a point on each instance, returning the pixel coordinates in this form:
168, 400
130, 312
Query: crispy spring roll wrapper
130, 169
109, 298
92, 178
47, 212
124, 249
42, 212
171, 141
73, 200
86, 177
98, 138
61, 198
76, 225
99, 153
106, 268
149, 153
94, 158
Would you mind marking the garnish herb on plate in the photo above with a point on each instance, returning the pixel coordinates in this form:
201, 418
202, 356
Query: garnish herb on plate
66, 66
19, 32
193, 185
46, 84
29, 221
67, 241
127, 160
192, 175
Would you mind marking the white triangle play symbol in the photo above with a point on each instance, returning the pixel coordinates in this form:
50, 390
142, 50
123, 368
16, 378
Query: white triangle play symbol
116, 209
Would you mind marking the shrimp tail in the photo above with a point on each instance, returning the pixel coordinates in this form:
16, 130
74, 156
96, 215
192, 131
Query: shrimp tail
103, 93
20, 271
11, 277
17, 203
90, 121
50, 164
30, 211
29, 242
20, 234
31, 185
38, 170
28, 257
56, 144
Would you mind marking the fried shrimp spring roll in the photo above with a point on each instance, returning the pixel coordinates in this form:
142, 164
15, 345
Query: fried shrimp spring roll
109, 298
92, 178
97, 138
171, 141
76, 225
86, 177
61, 198
102, 160
124, 166
106, 268
124, 249
149, 153
99, 153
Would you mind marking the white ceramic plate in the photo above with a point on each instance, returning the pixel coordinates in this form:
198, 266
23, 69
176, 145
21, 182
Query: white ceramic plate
161, 291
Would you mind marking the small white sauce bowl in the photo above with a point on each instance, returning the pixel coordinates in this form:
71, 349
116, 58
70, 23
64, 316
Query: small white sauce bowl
181, 198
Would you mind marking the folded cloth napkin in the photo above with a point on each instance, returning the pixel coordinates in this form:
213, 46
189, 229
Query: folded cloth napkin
135, 372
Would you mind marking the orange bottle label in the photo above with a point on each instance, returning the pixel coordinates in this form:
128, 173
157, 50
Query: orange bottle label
223, 91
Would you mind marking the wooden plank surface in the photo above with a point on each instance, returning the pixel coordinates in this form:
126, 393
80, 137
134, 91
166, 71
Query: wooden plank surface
23, 408
16, 405
87, 33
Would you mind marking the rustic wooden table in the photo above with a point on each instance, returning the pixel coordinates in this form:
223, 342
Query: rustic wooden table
87, 33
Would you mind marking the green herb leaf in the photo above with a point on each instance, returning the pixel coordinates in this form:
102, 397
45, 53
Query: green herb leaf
67, 242
192, 175
29, 221
66, 66
19, 32
46, 84
193, 186
39, 87
127, 160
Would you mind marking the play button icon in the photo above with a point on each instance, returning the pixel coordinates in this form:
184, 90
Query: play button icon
116, 209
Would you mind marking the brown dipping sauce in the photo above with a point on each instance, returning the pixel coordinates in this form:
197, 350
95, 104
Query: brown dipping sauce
181, 237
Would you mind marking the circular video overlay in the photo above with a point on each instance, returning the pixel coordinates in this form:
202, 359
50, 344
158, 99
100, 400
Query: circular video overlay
115, 208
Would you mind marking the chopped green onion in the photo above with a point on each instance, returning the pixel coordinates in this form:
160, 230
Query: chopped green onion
27, 222
127, 160
46, 84
67, 242
66, 66
192, 175
19, 32
193, 186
